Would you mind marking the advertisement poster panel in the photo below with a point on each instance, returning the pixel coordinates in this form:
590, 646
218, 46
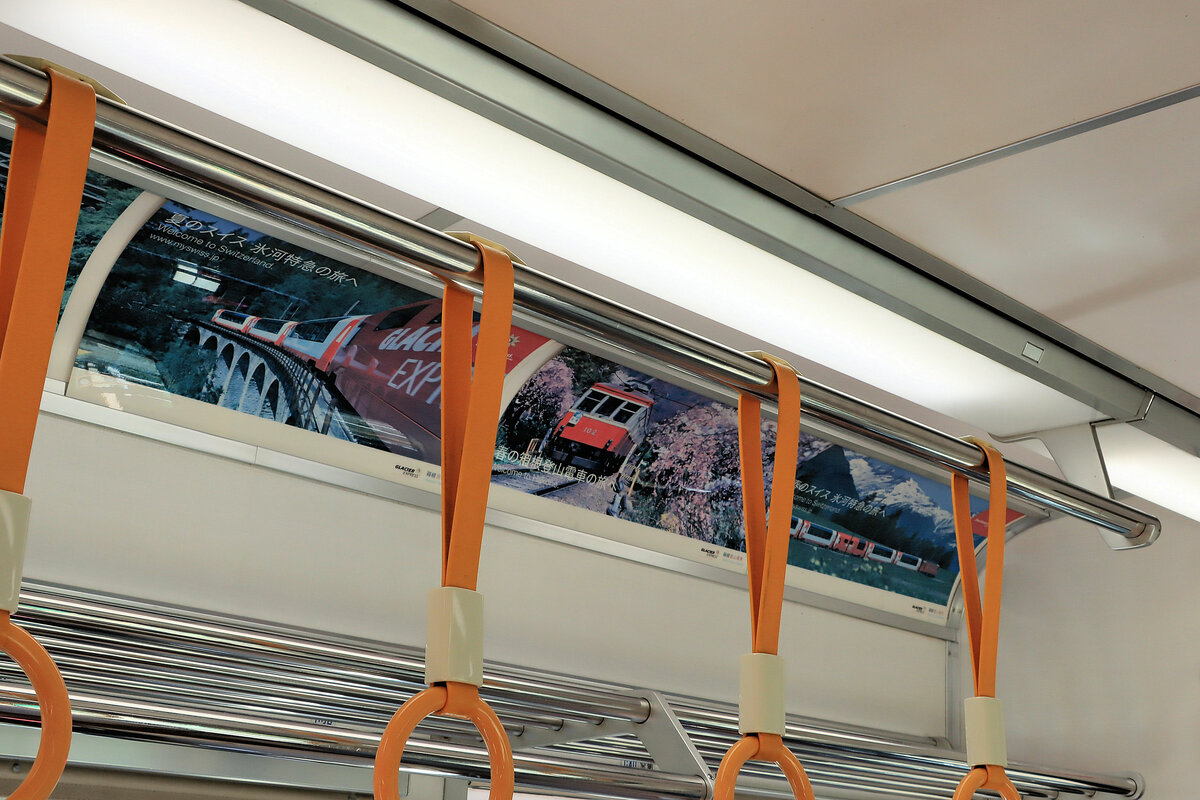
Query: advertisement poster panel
204, 308
210, 310
600, 436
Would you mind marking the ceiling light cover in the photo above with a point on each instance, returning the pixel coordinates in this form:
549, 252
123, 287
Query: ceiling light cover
258, 71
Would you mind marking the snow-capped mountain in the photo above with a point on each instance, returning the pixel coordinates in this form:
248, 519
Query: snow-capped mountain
895, 490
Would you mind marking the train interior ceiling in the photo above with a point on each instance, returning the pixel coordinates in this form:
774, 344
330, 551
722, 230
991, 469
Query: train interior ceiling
975, 216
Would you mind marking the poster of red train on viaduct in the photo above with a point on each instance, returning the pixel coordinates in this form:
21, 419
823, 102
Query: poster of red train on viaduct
203, 308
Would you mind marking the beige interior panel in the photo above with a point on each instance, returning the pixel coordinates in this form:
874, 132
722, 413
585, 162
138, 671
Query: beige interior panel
841, 97
1099, 232
1097, 665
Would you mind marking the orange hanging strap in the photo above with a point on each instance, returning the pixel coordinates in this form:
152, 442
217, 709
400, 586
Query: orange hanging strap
50, 153
767, 535
470, 416
762, 720
471, 412
986, 752
55, 706
47, 169
455, 398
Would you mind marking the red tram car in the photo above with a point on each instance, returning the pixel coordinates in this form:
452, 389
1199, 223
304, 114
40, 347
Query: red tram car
602, 428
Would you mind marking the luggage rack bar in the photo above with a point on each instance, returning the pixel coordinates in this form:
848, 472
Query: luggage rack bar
325, 699
149, 146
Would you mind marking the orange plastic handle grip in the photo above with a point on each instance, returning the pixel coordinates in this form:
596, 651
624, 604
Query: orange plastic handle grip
767, 747
459, 700
990, 777
55, 705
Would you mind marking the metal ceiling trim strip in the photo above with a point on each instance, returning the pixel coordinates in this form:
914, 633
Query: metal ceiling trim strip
1063, 337
1024, 145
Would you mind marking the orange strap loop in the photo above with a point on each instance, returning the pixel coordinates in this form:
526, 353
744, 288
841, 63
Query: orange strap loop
55, 707
459, 700
471, 411
767, 537
766, 560
470, 418
767, 747
983, 618
50, 153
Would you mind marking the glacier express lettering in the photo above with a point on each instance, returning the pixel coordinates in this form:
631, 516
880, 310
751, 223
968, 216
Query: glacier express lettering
427, 338
414, 375
388, 372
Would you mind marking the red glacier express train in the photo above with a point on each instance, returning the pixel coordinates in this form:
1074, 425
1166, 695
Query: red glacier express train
858, 546
271, 331
318, 341
234, 320
388, 367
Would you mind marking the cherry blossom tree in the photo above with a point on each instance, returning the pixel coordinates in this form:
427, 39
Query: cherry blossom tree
539, 404
689, 478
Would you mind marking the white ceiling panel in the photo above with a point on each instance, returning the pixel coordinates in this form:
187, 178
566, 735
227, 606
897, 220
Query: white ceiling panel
841, 97
1098, 232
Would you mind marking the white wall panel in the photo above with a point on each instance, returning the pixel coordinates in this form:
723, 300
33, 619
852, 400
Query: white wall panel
1099, 653
123, 514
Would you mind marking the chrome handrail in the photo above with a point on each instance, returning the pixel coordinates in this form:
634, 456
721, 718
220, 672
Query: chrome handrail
145, 145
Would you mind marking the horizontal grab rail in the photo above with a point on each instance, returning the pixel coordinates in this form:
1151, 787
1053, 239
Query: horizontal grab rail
146, 145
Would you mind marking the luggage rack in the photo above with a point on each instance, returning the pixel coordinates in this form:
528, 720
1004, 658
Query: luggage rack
313, 704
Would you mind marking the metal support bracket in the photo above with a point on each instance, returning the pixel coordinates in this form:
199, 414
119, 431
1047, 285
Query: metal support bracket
661, 733
1076, 451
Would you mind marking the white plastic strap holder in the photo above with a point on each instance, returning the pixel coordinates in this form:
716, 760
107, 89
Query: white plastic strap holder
454, 637
14, 532
984, 721
761, 694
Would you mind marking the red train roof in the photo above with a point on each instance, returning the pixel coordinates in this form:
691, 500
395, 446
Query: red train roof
626, 394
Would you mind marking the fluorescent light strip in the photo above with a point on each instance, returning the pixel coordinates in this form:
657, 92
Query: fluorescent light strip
256, 70
1145, 465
